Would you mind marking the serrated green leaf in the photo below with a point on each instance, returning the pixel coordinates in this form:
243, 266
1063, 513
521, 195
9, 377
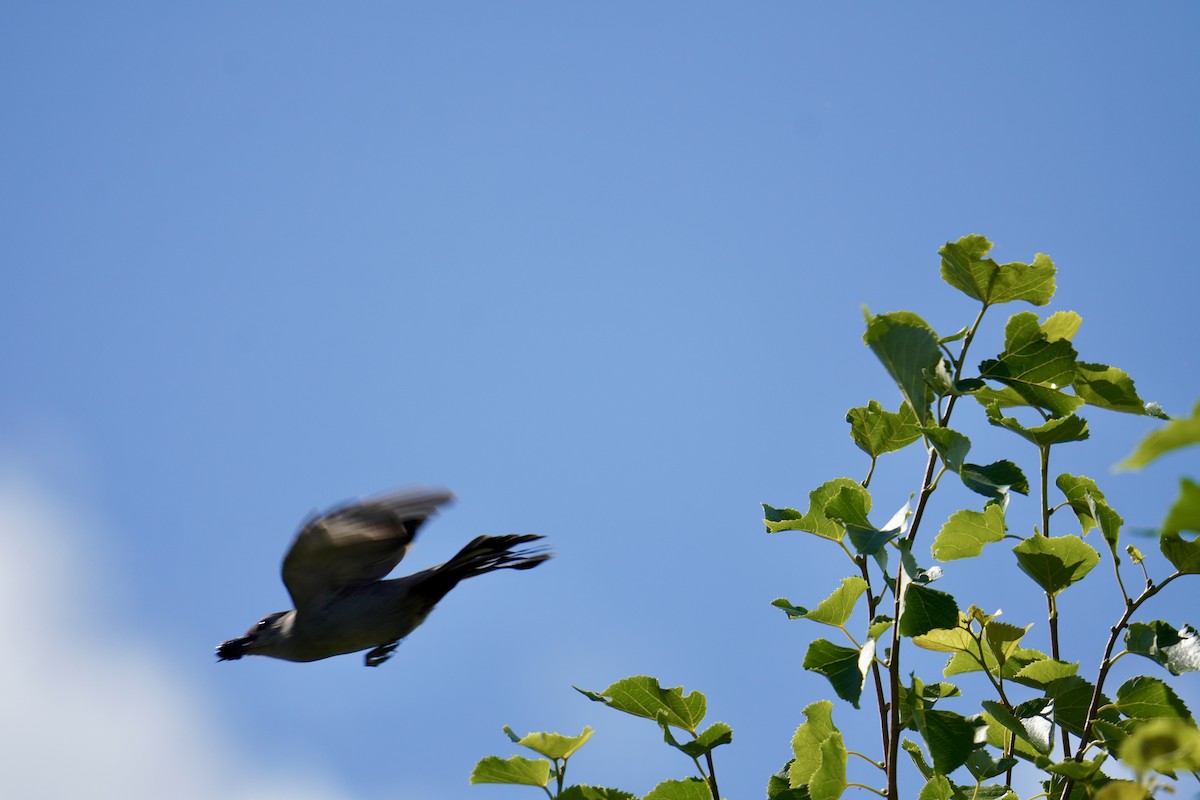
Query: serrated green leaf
1084, 771
1083, 495
555, 745
918, 756
1178, 433
837, 608
808, 743
1163, 745
1037, 369
1071, 698
815, 520
517, 770
1057, 431
879, 626
584, 792
1005, 740
1107, 387
950, 737
876, 431
1035, 731
965, 267
1122, 790
1041, 673
849, 507
1003, 639
642, 696
951, 445
1177, 649
937, 788
843, 666
927, 609
1144, 697
982, 766
714, 736
779, 786
1185, 512
1184, 555
948, 640
994, 480
686, 789
908, 349
793, 611
1056, 562
828, 782
966, 532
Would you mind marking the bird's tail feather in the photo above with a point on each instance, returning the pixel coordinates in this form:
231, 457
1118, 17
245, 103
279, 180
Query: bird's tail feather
490, 553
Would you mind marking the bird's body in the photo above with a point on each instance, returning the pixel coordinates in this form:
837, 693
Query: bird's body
334, 573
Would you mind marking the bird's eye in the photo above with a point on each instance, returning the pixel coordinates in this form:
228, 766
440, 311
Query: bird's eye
263, 623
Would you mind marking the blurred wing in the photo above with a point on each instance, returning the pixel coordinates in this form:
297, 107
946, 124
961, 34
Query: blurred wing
356, 543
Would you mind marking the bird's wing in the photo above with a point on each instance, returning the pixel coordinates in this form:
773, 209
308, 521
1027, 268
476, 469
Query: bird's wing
359, 542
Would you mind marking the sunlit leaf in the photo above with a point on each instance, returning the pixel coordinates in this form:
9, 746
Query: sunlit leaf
966, 532
1144, 697
966, 268
1056, 562
1061, 325
841, 665
553, 745
518, 770
927, 609
876, 431
1057, 431
908, 349
950, 737
1177, 649
837, 608
1177, 433
1185, 512
642, 696
951, 445
994, 480
1072, 697
1163, 745
1034, 730
1184, 555
819, 753
815, 520
1107, 387
584, 792
686, 789
1041, 673
1036, 368
937, 788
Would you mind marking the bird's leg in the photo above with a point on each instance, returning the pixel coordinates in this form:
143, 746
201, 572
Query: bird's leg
380, 654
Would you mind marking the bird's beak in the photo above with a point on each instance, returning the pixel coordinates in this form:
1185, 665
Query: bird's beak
233, 649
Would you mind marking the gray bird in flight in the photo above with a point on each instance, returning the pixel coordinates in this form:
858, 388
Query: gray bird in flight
334, 572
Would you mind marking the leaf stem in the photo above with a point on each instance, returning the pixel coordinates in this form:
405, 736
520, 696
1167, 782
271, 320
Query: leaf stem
868, 788
712, 776
879, 696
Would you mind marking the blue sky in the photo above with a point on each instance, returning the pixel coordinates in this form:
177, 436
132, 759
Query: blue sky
597, 268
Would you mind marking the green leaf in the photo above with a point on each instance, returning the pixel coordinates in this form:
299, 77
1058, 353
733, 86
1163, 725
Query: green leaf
1057, 431
876, 431
641, 696
982, 766
918, 756
1084, 771
518, 770
1184, 555
845, 667
1178, 433
951, 445
1121, 790
553, 745
966, 532
937, 788
965, 267
712, 737
908, 349
815, 520
849, 507
779, 786
1107, 387
1061, 325
1164, 745
1041, 673
1177, 649
994, 480
1005, 740
956, 639
1056, 562
837, 608
686, 789
820, 753
925, 610
1089, 505
879, 626
584, 792
793, 611
1185, 513
1003, 639
1144, 697
1071, 698
1034, 367
949, 736
1034, 730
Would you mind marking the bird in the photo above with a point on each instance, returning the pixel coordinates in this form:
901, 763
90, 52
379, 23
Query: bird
334, 572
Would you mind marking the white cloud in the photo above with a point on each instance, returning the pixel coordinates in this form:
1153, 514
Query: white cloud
89, 711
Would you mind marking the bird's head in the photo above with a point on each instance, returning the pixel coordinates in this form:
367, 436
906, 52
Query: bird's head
261, 639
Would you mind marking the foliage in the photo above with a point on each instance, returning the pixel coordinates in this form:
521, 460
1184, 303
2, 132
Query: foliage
1038, 708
